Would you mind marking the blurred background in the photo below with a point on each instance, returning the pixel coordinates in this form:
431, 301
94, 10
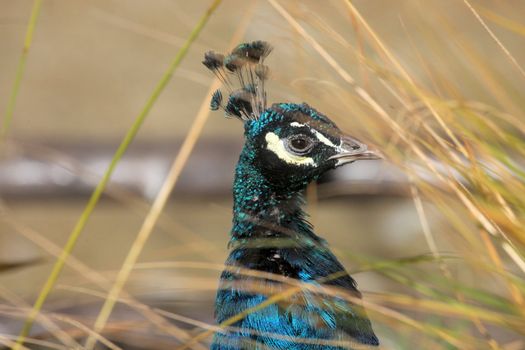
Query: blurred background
434, 238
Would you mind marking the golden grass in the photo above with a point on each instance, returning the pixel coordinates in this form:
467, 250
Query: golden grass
463, 157
162, 197
503, 218
97, 193
495, 38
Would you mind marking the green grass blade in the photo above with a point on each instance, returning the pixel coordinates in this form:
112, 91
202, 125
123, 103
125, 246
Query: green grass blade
95, 196
20, 68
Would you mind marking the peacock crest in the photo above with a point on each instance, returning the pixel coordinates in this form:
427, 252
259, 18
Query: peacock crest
243, 73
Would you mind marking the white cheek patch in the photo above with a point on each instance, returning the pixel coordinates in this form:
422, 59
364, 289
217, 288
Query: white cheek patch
276, 145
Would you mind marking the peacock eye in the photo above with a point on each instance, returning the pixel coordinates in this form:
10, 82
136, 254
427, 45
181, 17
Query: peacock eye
299, 144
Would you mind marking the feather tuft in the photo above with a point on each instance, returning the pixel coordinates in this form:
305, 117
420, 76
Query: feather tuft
233, 62
213, 60
255, 51
216, 100
242, 67
240, 104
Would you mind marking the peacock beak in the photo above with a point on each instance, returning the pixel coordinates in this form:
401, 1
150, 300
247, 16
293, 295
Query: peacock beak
351, 150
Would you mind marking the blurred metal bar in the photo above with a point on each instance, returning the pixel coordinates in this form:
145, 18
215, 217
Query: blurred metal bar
37, 170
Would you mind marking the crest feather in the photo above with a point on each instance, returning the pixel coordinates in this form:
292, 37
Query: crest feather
240, 104
254, 51
234, 62
216, 100
245, 62
213, 60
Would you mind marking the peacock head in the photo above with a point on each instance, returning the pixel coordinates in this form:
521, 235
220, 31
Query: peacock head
293, 144
290, 144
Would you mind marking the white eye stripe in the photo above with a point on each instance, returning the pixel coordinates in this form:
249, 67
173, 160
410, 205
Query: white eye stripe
276, 145
323, 139
317, 134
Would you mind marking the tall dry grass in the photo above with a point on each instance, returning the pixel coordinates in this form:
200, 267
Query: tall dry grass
459, 138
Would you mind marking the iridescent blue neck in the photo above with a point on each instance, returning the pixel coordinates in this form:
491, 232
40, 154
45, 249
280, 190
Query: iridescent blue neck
260, 210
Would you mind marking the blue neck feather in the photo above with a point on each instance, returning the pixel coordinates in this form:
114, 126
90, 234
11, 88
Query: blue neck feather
270, 234
261, 210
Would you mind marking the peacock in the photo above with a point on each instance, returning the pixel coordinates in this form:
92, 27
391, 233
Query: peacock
282, 287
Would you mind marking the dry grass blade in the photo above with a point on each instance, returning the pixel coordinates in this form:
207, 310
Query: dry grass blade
97, 193
5, 340
298, 340
40, 343
91, 275
495, 38
450, 181
119, 193
21, 313
162, 197
53, 328
447, 307
502, 21
407, 77
285, 293
416, 80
